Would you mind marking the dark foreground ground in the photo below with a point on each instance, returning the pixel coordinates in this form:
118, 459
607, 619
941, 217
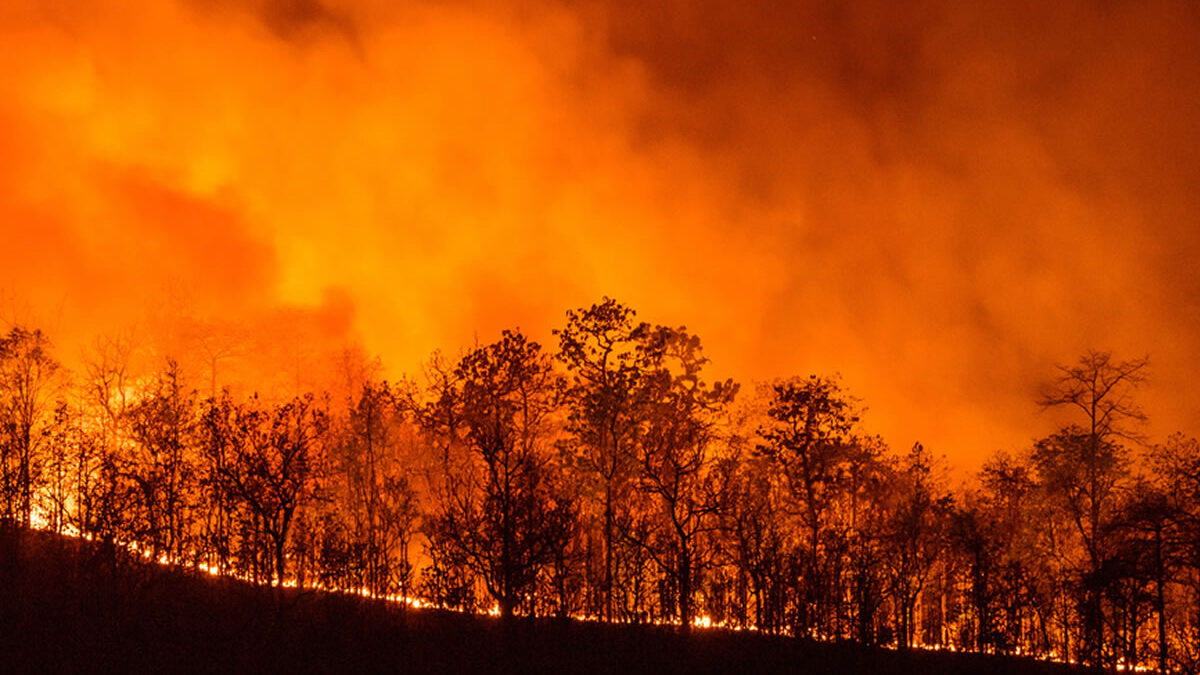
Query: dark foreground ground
66, 606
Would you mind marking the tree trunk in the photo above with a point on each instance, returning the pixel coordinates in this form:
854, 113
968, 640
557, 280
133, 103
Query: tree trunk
685, 589
1160, 601
608, 554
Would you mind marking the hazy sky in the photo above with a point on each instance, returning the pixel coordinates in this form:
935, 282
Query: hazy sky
938, 200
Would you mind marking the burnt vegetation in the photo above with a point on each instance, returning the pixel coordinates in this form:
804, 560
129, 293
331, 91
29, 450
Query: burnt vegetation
606, 478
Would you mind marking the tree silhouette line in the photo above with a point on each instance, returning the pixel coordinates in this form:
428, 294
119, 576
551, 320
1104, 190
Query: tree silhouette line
608, 479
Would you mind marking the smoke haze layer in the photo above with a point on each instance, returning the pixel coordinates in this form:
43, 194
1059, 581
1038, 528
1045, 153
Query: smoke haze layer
938, 200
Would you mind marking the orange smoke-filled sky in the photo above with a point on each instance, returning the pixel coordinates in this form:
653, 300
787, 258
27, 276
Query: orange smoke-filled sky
939, 200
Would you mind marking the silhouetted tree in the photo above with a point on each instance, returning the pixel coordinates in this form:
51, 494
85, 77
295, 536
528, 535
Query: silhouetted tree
1082, 466
1176, 494
265, 461
809, 441
676, 455
437, 409
28, 385
376, 497
625, 487
992, 531
106, 393
1144, 559
756, 536
71, 459
598, 346
500, 515
864, 517
919, 509
161, 425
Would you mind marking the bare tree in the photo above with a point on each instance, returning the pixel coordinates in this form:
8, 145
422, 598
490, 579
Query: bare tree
108, 382
106, 393
1082, 466
1102, 389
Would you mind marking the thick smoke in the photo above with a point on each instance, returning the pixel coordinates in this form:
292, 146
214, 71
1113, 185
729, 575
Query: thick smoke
940, 200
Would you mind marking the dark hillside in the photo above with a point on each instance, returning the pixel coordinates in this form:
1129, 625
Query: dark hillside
70, 606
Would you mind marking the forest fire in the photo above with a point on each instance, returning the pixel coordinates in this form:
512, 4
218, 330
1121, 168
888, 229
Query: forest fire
347, 304
699, 622
611, 481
